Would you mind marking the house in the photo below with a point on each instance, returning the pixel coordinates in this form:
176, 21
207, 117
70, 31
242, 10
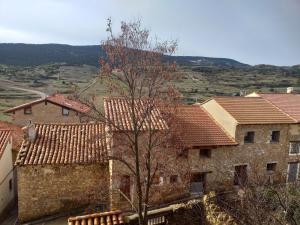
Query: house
62, 167
54, 108
194, 137
261, 131
7, 192
288, 103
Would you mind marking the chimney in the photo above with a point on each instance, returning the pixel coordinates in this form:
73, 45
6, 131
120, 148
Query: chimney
29, 132
289, 90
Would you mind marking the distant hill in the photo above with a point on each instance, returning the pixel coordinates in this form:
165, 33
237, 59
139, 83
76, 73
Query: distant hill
38, 54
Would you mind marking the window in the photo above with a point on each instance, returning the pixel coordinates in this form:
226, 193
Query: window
294, 148
27, 110
173, 179
275, 136
271, 166
184, 153
125, 185
65, 111
205, 153
240, 175
10, 184
249, 137
293, 171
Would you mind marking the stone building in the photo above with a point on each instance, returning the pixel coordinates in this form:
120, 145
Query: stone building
55, 108
62, 167
261, 131
288, 103
7, 192
181, 175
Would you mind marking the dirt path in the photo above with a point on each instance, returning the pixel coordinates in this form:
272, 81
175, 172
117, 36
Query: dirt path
13, 85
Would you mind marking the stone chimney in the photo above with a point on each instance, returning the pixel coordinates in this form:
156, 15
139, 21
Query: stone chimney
289, 90
29, 132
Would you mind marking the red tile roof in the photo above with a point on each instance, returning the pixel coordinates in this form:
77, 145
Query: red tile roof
4, 139
56, 99
198, 129
119, 116
16, 132
288, 103
105, 218
65, 144
253, 110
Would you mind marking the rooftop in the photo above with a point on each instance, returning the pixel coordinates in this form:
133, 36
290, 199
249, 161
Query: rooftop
16, 132
253, 110
65, 144
288, 103
198, 128
56, 99
4, 139
106, 218
118, 113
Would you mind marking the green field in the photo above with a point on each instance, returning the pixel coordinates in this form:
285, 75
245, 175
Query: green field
195, 83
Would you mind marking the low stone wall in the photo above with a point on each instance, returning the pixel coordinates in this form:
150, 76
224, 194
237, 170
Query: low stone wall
214, 214
51, 189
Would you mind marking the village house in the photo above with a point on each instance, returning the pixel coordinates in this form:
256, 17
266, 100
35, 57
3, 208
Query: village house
54, 108
62, 167
261, 131
288, 103
7, 193
194, 144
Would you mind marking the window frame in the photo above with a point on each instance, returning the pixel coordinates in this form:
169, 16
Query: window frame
247, 134
297, 174
290, 144
62, 111
28, 108
271, 163
275, 141
207, 155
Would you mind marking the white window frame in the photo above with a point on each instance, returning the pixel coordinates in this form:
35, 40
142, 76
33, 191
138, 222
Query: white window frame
64, 108
288, 171
290, 144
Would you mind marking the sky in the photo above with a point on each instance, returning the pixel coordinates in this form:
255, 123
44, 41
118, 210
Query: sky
250, 31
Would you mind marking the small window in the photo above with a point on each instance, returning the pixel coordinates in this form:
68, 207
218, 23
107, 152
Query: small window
271, 166
275, 136
10, 184
28, 110
249, 137
293, 172
65, 111
240, 175
184, 153
205, 153
294, 148
173, 179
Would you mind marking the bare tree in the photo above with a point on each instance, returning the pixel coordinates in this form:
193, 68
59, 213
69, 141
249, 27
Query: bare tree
139, 79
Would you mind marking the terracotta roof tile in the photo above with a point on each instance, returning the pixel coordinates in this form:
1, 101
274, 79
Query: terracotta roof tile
119, 116
106, 218
4, 138
59, 100
65, 144
253, 110
288, 103
199, 129
16, 133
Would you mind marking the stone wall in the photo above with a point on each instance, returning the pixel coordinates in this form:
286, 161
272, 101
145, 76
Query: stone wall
50, 189
45, 112
220, 166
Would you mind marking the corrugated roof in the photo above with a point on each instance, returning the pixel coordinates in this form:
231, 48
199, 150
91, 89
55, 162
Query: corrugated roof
65, 144
105, 218
4, 138
288, 103
59, 100
118, 113
253, 110
197, 128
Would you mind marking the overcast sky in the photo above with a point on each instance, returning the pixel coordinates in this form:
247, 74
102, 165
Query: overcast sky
250, 31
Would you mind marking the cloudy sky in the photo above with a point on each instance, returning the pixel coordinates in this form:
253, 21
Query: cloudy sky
251, 31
